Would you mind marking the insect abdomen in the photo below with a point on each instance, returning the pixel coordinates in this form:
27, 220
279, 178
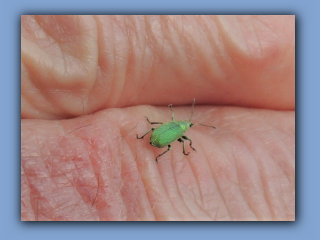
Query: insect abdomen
166, 134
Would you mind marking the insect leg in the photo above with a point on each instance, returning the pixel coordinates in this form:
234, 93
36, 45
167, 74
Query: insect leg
169, 147
184, 150
145, 134
170, 106
153, 122
186, 138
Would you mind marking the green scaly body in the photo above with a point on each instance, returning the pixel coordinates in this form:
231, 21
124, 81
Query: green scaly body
171, 131
168, 133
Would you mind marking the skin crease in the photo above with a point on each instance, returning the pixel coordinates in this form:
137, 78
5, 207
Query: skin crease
88, 81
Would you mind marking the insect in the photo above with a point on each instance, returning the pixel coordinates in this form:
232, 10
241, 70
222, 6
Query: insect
171, 131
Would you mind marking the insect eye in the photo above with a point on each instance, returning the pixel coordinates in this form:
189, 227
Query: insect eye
191, 124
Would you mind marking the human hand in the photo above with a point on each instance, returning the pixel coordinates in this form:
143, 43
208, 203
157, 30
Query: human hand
94, 74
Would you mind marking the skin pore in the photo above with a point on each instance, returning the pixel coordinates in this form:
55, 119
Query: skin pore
87, 82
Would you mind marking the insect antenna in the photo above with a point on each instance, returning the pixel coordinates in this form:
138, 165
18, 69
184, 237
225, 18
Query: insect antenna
205, 125
194, 100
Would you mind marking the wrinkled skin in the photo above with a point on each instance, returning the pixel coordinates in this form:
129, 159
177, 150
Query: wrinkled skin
87, 83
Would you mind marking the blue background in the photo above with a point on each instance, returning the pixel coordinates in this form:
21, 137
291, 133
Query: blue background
307, 222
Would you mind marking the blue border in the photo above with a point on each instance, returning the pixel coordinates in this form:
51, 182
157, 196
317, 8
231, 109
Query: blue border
307, 135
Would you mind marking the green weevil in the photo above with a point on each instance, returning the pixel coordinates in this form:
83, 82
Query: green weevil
171, 131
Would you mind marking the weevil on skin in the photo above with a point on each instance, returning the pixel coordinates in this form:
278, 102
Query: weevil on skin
171, 131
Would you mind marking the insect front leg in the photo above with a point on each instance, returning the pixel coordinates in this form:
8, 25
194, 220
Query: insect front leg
169, 147
145, 134
170, 106
186, 138
184, 150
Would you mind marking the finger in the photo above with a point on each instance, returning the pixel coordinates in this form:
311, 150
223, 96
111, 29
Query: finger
94, 168
75, 65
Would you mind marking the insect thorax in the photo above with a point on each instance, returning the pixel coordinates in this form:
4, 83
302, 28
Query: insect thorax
185, 125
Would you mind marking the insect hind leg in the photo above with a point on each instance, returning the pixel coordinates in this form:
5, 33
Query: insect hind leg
144, 134
169, 147
153, 122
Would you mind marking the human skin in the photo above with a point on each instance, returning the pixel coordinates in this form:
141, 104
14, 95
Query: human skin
87, 82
